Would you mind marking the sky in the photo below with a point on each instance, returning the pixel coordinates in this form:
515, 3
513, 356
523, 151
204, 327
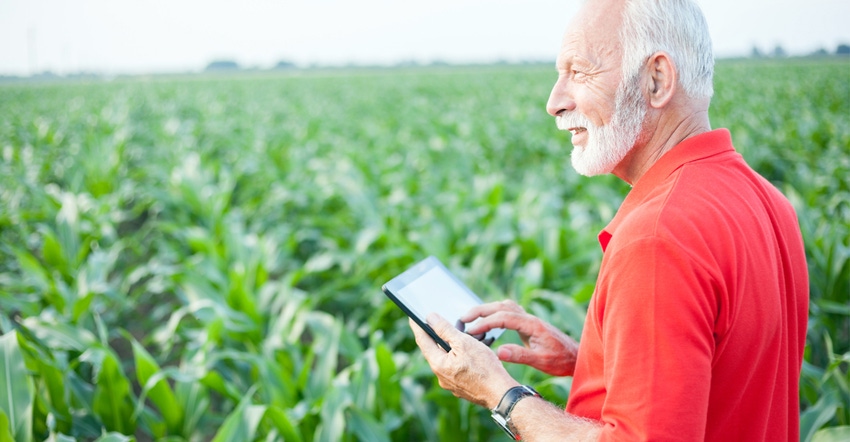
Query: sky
159, 36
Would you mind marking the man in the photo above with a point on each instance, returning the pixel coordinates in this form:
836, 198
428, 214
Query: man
696, 328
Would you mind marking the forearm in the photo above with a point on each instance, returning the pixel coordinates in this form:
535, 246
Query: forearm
536, 419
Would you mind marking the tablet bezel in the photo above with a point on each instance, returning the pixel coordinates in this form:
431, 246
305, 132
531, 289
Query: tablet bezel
395, 285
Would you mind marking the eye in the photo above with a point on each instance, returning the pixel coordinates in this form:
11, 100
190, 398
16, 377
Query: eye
578, 74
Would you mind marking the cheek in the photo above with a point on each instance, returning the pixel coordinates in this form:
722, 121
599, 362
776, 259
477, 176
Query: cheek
597, 103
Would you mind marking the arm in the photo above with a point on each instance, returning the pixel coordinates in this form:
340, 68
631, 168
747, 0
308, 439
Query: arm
473, 372
538, 420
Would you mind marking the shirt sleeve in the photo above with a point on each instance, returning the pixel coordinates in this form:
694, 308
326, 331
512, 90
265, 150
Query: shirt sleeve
657, 321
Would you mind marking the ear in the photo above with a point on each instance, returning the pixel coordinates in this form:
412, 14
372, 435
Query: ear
662, 79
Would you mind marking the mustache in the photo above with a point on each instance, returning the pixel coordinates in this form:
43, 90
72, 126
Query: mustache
566, 121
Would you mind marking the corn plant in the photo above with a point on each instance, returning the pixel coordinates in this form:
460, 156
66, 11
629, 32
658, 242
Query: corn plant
200, 258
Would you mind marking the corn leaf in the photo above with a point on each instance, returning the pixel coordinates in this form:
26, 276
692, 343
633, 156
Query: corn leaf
817, 415
160, 393
112, 401
242, 423
44, 365
61, 336
365, 426
833, 434
114, 437
278, 418
5, 430
389, 389
16, 389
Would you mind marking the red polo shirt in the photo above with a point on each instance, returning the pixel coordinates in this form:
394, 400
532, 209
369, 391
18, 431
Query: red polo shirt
697, 325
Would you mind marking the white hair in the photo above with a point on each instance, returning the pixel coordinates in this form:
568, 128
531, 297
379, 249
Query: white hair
677, 27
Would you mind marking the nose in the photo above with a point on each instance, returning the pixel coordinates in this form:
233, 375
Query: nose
560, 99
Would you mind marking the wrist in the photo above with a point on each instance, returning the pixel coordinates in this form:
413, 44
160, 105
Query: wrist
501, 414
497, 392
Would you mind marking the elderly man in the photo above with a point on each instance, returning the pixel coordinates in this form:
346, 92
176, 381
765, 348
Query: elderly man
697, 325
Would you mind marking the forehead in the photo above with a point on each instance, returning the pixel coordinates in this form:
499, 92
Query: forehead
593, 34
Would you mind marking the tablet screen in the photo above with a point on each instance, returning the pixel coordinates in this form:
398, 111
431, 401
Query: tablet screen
427, 287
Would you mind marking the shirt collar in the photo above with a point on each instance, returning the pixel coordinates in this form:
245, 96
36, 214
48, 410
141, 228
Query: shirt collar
701, 146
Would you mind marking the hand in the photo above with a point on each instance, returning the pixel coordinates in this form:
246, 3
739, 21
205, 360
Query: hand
470, 371
546, 348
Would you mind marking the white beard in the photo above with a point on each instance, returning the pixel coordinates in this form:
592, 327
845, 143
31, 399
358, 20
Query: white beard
607, 145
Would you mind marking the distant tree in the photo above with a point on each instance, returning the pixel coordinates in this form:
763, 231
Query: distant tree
779, 52
222, 65
407, 63
820, 53
45, 75
284, 64
843, 49
756, 53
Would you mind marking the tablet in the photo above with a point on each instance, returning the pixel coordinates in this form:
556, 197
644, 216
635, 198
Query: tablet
427, 287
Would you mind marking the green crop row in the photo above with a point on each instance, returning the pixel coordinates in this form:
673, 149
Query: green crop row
200, 258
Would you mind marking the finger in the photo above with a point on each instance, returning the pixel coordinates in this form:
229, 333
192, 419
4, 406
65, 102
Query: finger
430, 349
516, 354
483, 310
521, 322
440, 326
460, 325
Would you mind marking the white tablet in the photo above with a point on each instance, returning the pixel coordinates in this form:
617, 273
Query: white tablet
427, 287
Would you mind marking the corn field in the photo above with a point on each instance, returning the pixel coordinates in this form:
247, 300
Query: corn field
198, 258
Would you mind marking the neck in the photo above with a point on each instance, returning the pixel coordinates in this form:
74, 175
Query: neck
658, 137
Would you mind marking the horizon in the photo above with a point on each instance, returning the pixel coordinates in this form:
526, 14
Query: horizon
122, 38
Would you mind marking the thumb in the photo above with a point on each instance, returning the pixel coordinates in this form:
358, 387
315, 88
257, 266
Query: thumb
440, 326
516, 354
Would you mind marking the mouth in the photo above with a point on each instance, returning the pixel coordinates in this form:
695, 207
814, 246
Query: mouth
576, 130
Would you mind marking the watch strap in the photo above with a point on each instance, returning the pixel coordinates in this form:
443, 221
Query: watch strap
502, 413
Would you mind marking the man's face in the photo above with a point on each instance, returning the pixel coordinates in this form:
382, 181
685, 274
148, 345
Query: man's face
591, 99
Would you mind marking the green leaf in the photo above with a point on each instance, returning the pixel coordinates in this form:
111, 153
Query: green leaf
388, 386
112, 397
365, 427
16, 388
194, 399
148, 373
52, 252
5, 431
242, 423
44, 365
277, 383
326, 332
61, 336
332, 414
278, 418
319, 263
216, 382
832, 434
114, 437
67, 229
32, 269
817, 415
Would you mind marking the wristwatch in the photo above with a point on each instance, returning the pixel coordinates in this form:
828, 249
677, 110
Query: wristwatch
502, 413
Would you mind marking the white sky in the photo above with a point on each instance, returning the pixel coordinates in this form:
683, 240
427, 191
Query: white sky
136, 36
